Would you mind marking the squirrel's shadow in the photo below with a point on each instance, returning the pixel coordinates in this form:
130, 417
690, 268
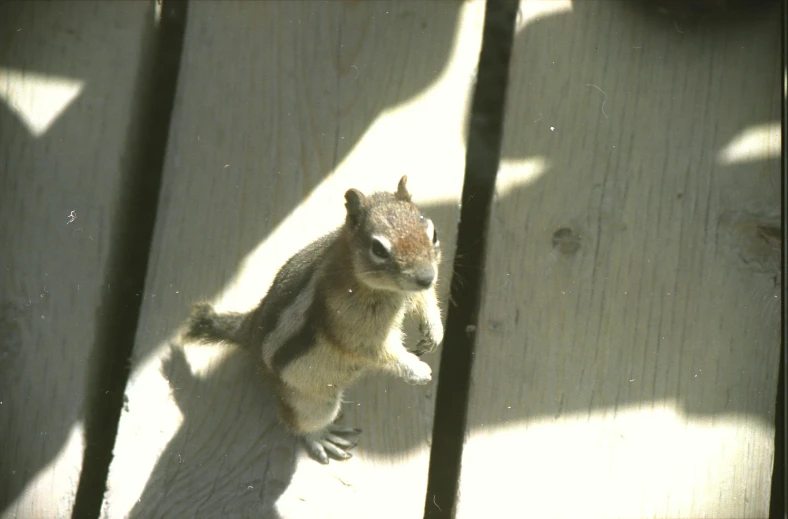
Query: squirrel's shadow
245, 472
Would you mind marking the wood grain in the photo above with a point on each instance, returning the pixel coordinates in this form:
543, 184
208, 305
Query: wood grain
281, 107
628, 344
68, 73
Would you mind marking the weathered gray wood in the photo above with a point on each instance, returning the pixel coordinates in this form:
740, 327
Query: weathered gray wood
281, 107
627, 366
68, 74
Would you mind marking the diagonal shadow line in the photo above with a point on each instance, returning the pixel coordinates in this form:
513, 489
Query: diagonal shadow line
127, 263
482, 160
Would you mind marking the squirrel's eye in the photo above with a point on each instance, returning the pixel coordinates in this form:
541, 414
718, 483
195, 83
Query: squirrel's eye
431, 230
379, 250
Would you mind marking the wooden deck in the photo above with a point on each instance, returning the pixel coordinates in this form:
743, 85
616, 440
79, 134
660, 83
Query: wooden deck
627, 347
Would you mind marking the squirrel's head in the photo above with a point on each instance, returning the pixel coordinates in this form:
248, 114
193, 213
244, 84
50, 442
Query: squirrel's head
394, 246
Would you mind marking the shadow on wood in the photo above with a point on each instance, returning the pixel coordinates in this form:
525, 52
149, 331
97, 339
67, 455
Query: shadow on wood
251, 458
638, 136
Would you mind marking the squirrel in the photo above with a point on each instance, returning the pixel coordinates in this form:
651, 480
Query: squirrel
335, 310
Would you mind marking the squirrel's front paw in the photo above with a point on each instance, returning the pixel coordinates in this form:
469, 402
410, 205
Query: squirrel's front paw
433, 335
418, 373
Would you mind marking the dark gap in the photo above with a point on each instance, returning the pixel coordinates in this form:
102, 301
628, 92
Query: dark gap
135, 216
482, 159
777, 504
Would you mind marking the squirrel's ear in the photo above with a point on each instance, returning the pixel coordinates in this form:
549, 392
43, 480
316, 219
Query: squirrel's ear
402, 189
355, 203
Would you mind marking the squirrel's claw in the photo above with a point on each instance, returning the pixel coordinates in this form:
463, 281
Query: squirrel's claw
327, 444
425, 345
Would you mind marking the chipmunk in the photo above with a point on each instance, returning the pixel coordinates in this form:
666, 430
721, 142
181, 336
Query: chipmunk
335, 310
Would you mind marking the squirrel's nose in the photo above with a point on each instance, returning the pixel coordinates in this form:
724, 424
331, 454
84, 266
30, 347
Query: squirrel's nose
425, 276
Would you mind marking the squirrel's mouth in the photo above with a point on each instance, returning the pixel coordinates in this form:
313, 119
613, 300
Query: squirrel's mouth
417, 283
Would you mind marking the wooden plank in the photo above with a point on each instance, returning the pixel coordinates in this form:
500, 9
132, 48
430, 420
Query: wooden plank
281, 107
628, 343
68, 74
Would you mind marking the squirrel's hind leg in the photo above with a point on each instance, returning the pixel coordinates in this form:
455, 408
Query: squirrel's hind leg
312, 419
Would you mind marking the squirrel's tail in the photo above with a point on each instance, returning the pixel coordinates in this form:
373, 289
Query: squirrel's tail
205, 325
